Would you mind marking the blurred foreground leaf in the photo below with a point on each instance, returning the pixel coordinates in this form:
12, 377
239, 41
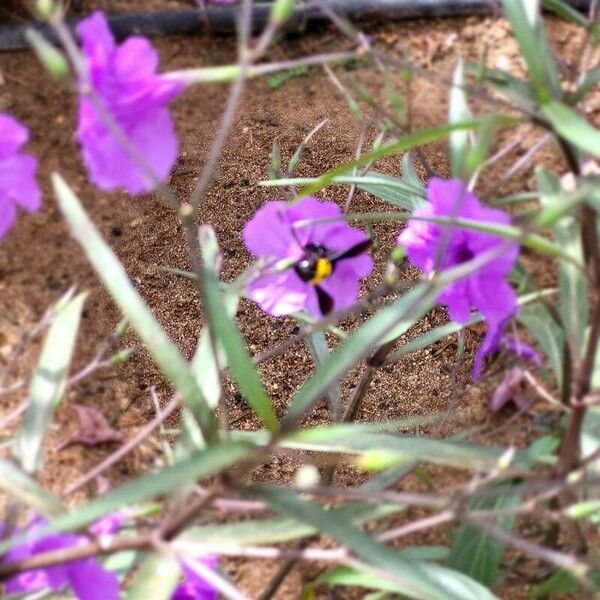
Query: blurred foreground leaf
477, 554
113, 275
156, 578
48, 382
228, 334
414, 579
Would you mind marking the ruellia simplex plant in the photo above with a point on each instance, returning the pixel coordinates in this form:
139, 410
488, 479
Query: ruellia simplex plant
157, 536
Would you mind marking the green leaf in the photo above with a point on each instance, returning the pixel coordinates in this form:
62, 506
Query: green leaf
48, 382
348, 576
458, 111
548, 334
382, 450
479, 555
276, 81
457, 584
562, 9
319, 350
114, 277
573, 127
406, 142
518, 91
391, 189
295, 160
283, 529
204, 366
411, 576
20, 486
590, 437
226, 331
591, 80
410, 175
527, 28
205, 463
562, 584
157, 578
355, 348
573, 306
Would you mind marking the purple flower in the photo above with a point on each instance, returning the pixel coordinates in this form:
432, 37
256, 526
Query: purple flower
124, 79
86, 577
320, 263
18, 187
513, 389
486, 289
522, 350
195, 587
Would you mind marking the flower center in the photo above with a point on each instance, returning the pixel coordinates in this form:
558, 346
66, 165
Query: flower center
314, 266
463, 254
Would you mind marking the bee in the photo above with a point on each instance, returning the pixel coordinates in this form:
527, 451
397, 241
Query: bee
318, 263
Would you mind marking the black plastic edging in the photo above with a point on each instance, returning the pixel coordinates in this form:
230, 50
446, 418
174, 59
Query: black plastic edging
222, 19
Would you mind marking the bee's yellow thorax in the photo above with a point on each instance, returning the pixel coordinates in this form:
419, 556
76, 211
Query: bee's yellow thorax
323, 270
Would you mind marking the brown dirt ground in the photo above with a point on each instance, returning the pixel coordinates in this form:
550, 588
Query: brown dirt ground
39, 260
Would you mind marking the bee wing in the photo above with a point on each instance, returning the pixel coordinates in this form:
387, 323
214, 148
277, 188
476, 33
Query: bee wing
353, 251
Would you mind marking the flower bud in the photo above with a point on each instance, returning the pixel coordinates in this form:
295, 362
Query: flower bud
282, 10
307, 476
51, 58
45, 8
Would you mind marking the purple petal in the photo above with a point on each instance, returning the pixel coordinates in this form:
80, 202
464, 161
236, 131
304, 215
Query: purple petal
457, 300
340, 237
12, 136
108, 525
268, 233
97, 40
279, 294
522, 350
135, 58
510, 390
90, 581
18, 183
491, 343
309, 208
195, 587
493, 298
279, 231
110, 165
342, 286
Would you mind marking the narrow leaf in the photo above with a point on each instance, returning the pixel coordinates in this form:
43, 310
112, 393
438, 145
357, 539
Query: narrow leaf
458, 111
114, 277
355, 348
562, 9
409, 575
156, 578
479, 555
410, 175
526, 25
214, 459
406, 142
20, 486
227, 332
573, 127
48, 383
283, 529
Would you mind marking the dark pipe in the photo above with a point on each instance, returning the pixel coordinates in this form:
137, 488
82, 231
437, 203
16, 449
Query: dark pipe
222, 19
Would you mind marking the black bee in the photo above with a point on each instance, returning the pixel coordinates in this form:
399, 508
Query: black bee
318, 263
